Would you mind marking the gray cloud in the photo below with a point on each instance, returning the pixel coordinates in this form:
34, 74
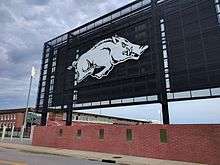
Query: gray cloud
25, 26
37, 2
5, 16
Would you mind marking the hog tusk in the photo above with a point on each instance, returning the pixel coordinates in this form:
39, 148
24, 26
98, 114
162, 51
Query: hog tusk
144, 47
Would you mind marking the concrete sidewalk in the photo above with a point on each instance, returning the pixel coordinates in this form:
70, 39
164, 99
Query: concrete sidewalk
119, 159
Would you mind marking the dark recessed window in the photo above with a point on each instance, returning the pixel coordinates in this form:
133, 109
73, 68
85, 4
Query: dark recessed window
163, 136
79, 133
60, 132
101, 133
129, 135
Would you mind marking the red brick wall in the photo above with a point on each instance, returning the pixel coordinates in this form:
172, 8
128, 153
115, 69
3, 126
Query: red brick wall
191, 143
19, 120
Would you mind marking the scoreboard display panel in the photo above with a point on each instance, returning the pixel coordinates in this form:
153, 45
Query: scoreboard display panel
193, 37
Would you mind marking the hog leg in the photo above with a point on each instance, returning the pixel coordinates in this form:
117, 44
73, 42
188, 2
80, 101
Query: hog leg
86, 68
108, 71
104, 71
83, 75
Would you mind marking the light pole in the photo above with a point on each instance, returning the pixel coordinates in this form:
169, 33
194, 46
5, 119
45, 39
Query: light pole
159, 111
33, 72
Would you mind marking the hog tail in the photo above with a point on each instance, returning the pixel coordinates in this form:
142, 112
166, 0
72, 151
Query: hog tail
72, 66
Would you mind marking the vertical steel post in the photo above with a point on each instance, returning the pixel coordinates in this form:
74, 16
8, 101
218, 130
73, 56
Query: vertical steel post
69, 114
43, 117
161, 75
47, 87
165, 108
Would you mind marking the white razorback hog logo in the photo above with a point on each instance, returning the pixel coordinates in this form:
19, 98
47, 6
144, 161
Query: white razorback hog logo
104, 56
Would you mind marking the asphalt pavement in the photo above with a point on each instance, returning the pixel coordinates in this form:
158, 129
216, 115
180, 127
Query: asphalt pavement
19, 157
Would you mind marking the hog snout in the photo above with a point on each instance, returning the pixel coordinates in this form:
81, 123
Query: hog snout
137, 51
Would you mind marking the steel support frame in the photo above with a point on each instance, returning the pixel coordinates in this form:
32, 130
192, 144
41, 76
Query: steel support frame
162, 97
69, 115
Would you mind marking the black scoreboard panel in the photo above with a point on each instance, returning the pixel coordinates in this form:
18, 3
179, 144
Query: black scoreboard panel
193, 38
132, 78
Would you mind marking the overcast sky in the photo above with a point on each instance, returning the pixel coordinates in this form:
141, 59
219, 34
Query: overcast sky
26, 24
